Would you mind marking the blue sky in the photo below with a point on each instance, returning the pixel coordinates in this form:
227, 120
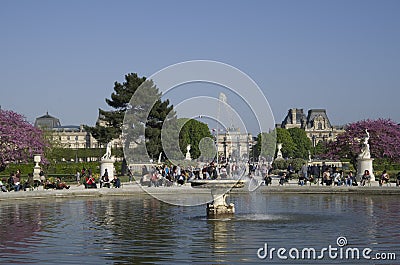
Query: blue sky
64, 56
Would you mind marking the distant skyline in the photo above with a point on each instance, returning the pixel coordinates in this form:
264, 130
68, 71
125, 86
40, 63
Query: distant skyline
63, 57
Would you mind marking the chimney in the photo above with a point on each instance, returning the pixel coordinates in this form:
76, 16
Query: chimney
294, 110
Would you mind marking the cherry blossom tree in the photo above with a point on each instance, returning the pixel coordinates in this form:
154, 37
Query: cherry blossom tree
384, 141
19, 140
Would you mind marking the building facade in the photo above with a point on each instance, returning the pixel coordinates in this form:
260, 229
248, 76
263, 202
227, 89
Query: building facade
70, 136
316, 124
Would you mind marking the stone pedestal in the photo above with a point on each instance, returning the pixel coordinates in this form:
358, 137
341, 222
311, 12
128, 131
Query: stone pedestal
219, 189
36, 168
362, 165
219, 206
109, 165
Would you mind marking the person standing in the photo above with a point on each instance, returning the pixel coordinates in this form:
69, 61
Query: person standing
78, 177
130, 175
304, 172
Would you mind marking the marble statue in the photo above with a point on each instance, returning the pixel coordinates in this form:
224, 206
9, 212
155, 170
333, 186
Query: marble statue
159, 158
107, 155
188, 153
365, 152
279, 152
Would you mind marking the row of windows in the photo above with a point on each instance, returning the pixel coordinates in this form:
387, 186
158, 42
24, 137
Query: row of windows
70, 138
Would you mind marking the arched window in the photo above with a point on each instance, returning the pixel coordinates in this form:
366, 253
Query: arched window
319, 126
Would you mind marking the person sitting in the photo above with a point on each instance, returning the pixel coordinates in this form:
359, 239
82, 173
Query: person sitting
3, 187
301, 179
267, 180
365, 178
223, 172
326, 177
398, 179
282, 179
17, 181
181, 180
10, 182
337, 178
49, 185
105, 181
154, 179
61, 185
28, 183
116, 182
349, 179
384, 178
90, 183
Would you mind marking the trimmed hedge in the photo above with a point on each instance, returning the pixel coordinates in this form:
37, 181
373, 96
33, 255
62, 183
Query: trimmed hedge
64, 168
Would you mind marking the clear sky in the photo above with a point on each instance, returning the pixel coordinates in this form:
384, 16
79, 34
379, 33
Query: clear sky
64, 56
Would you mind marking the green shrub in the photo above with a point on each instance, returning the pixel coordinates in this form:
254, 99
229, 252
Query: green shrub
297, 163
279, 164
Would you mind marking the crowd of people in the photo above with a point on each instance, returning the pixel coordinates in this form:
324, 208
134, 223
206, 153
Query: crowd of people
330, 175
166, 175
89, 181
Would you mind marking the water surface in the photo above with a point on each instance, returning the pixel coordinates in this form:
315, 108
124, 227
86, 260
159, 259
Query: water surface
143, 230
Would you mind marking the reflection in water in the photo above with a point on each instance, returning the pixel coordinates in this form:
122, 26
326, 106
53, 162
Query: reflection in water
135, 230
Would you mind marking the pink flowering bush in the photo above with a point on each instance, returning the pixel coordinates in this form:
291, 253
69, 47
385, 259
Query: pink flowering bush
384, 141
19, 140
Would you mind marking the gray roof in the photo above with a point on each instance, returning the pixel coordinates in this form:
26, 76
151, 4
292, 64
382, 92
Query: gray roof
47, 121
313, 113
300, 117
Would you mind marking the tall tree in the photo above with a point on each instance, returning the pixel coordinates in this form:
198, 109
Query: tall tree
288, 146
192, 133
302, 142
384, 140
109, 125
147, 107
19, 140
265, 146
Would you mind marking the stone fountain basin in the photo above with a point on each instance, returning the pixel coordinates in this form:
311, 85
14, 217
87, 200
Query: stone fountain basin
217, 183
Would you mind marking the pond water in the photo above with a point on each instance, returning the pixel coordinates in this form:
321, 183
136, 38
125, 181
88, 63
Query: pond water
143, 230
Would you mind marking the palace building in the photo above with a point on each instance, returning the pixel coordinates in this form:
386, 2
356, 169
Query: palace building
316, 124
70, 136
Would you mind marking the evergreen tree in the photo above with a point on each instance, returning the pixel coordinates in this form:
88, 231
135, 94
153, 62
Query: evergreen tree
302, 142
147, 113
120, 102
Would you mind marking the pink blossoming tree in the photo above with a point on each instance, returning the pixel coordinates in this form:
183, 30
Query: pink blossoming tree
19, 140
384, 141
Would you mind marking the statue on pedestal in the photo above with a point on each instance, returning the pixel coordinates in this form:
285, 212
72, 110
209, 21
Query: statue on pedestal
188, 153
364, 160
107, 155
107, 163
365, 152
279, 153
